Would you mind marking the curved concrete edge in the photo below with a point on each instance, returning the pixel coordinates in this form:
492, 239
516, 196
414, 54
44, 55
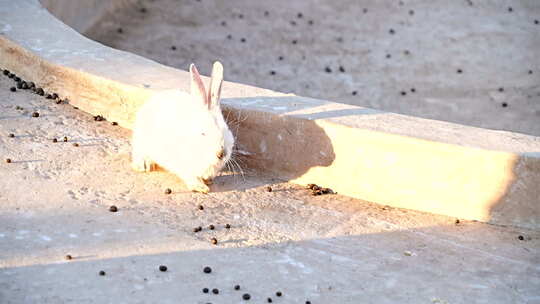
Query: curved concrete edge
382, 157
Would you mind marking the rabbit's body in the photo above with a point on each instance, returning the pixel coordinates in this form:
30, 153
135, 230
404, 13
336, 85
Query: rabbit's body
184, 133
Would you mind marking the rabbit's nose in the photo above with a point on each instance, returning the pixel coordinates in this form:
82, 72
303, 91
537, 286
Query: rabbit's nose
221, 154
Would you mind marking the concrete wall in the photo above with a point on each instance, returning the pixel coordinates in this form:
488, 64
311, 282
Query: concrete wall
382, 157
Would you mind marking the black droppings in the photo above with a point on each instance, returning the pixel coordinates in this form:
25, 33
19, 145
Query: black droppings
403, 93
272, 72
11, 135
328, 69
35, 114
114, 123
279, 294
411, 12
119, 30
75, 144
223, 23
246, 296
365, 10
501, 89
413, 90
341, 69
299, 15
65, 139
24, 86
13, 89
173, 48
8, 160
242, 40
17, 79
280, 58
214, 241
54, 140
68, 257
504, 104
205, 290
240, 16
207, 269
268, 189
211, 227
113, 208
228, 226
236, 287
457, 221
391, 31
200, 207
197, 229
293, 23
19, 85
354, 93
266, 13
49, 96
510, 9
101, 273
310, 22
6, 72
459, 71
521, 238
162, 268
143, 10
295, 41
388, 56
536, 22
215, 291
11, 75
168, 191
229, 36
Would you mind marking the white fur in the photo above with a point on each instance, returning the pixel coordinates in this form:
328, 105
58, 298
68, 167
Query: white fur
183, 133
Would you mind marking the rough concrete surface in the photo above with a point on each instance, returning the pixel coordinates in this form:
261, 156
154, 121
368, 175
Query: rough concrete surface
363, 153
54, 200
493, 43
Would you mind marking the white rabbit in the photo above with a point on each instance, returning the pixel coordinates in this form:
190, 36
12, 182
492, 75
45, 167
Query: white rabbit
184, 133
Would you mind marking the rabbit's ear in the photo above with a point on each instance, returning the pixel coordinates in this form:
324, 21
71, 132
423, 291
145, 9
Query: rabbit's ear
197, 86
214, 91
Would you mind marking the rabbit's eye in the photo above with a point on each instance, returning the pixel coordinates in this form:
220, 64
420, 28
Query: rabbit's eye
221, 154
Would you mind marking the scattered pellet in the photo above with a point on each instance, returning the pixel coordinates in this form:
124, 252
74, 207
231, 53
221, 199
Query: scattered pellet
197, 229
211, 227
328, 69
391, 31
308, 302
327, 191
75, 144
316, 192
530, 72
279, 294
310, 22
6, 72
294, 41
54, 140
510, 9
228, 226
49, 96
406, 52
223, 23
99, 118
413, 90
101, 273
19, 108
272, 72
168, 191
68, 257
24, 85
162, 268
214, 241
459, 71
280, 58
119, 30
242, 40
11, 75
200, 207
365, 10
236, 287
521, 238
353, 93
504, 104
240, 16
215, 291
114, 123
266, 13
143, 10
403, 93
268, 189
8, 160
269, 300
11, 135
205, 290
65, 139
246, 296
341, 69
207, 269
388, 56
173, 47
457, 222
229, 36
113, 208
13, 89
35, 114
411, 12
501, 89
293, 23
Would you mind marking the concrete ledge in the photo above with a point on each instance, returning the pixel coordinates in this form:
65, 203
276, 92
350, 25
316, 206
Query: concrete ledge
381, 157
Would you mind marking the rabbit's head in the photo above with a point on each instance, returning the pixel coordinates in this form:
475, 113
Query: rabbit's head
216, 140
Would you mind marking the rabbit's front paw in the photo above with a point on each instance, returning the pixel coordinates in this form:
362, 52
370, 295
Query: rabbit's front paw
198, 186
143, 165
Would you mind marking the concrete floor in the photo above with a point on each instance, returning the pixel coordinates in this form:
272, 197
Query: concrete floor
54, 200
493, 43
